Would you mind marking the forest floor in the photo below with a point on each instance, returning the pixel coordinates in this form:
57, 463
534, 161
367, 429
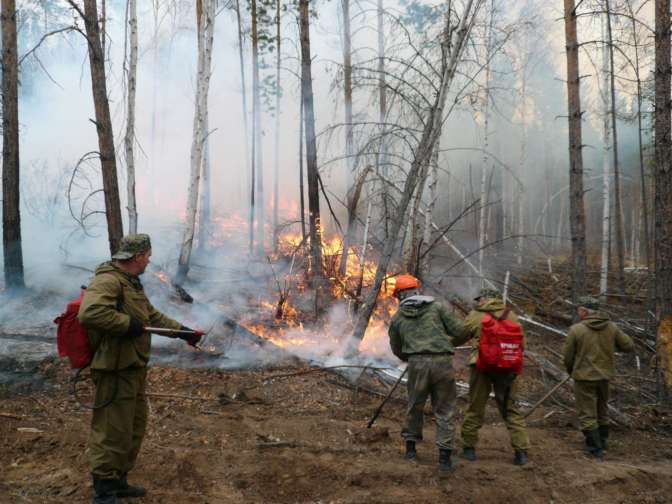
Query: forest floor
220, 436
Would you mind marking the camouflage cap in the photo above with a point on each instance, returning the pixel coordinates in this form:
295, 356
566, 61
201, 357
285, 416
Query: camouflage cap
588, 302
131, 245
488, 293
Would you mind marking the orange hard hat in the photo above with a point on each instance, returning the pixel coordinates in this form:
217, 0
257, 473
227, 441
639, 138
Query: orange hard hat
403, 282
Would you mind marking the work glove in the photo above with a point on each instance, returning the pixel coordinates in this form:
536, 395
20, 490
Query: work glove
135, 328
191, 339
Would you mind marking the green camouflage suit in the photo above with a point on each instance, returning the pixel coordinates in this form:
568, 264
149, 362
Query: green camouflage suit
481, 384
589, 359
119, 362
420, 333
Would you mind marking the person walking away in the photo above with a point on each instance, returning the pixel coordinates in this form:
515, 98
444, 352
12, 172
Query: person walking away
421, 333
504, 385
115, 311
589, 359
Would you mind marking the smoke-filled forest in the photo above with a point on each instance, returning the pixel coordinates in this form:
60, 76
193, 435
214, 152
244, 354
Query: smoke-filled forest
313, 180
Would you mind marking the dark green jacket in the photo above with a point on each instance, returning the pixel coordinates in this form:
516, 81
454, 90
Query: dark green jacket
472, 324
590, 346
110, 300
423, 326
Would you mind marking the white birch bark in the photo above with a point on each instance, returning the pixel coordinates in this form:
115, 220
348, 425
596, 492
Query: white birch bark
129, 138
196, 156
606, 205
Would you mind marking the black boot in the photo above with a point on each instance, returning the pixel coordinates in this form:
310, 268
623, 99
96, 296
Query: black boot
520, 458
445, 464
604, 436
593, 442
469, 453
126, 490
105, 491
411, 454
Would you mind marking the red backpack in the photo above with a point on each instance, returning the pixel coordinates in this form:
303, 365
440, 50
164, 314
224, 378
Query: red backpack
500, 349
72, 339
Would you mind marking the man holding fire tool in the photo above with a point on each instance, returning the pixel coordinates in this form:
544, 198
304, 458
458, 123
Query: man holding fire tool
119, 317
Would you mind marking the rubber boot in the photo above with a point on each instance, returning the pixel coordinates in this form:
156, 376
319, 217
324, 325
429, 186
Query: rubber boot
593, 442
132, 491
468, 453
520, 458
411, 454
105, 491
445, 464
604, 436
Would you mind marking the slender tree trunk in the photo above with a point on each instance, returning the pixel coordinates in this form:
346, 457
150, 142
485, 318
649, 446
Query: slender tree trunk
257, 147
302, 191
11, 215
486, 138
576, 202
206, 187
381, 158
499, 209
108, 160
606, 217
205, 32
276, 161
315, 226
663, 168
452, 54
431, 205
249, 170
618, 205
522, 208
129, 138
350, 163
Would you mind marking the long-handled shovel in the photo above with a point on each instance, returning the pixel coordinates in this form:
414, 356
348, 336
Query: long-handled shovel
389, 394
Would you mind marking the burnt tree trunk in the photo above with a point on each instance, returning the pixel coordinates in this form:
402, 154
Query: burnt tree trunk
315, 230
11, 216
108, 160
577, 211
257, 149
663, 170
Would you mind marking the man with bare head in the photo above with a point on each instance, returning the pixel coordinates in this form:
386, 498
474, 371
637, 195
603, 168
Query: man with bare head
589, 359
422, 333
115, 312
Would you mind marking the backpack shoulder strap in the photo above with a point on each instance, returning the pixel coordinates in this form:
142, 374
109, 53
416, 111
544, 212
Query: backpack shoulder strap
505, 314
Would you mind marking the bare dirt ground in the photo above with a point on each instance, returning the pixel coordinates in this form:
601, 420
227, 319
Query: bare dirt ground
242, 436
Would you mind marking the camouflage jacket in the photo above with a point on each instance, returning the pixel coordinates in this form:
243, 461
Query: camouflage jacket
472, 324
590, 346
112, 298
423, 326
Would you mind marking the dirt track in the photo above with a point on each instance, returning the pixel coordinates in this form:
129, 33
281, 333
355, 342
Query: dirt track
301, 439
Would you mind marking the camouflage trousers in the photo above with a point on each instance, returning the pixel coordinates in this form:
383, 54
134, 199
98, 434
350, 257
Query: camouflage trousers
591, 403
118, 428
431, 376
480, 386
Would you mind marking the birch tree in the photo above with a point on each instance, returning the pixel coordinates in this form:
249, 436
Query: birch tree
129, 137
606, 217
11, 215
276, 160
257, 148
205, 34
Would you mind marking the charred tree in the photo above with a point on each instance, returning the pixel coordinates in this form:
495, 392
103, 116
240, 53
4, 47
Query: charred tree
108, 160
577, 211
451, 56
663, 169
206, 183
129, 138
11, 215
315, 231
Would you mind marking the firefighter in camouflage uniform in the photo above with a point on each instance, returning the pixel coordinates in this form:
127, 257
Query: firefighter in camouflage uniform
422, 333
481, 384
589, 359
115, 311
